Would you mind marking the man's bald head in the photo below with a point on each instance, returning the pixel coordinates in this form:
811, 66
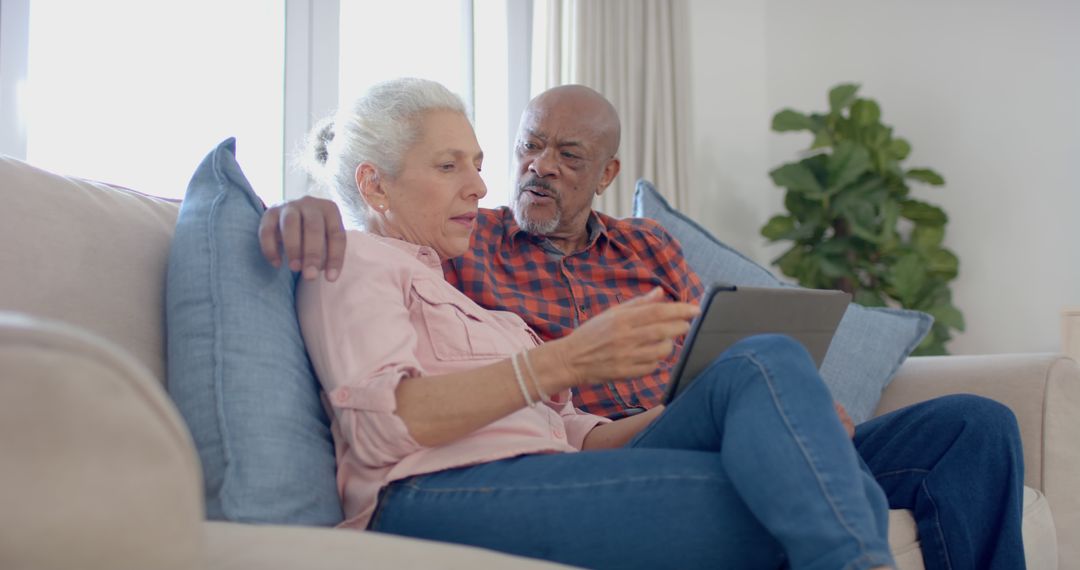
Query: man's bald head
586, 105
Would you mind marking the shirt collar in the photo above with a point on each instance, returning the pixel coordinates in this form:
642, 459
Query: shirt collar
424, 254
594, 228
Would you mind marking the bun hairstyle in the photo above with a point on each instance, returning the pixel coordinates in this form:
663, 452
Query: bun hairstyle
377, 128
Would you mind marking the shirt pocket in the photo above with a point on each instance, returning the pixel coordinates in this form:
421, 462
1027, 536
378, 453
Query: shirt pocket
458, 330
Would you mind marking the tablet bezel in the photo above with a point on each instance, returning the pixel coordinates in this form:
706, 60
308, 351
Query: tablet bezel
677, 384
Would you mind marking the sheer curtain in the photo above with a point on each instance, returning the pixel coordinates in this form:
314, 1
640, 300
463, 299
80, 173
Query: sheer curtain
635, 53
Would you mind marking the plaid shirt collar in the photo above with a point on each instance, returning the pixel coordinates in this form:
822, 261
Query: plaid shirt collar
594, 226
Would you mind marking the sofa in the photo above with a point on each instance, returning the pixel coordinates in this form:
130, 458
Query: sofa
99, 470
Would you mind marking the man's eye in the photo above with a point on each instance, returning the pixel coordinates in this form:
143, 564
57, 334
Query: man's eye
447, 167
570, 155
528, 146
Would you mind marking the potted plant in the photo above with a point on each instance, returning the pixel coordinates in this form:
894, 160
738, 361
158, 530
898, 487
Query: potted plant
851, 219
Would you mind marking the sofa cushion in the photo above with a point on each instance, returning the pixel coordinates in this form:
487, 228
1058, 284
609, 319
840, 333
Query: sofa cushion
237, 368
88, 254
870, 343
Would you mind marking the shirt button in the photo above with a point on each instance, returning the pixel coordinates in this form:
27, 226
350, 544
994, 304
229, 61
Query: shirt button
342, 396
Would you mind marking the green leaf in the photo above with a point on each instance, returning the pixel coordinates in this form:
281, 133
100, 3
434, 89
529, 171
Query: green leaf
928, 341
865, 112
842, 96
796, 176
778, 228
922, 213
907, 276
927, 238
791, 261
869, 298
789, 120
846, 164
823, 139
943, 262
830, 267
925, 175
948, 316
890, 213
899, 149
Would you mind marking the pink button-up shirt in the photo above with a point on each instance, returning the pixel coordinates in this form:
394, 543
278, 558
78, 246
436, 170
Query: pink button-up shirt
391, 316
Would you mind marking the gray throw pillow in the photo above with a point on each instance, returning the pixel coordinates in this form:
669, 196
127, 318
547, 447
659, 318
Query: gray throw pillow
870, 343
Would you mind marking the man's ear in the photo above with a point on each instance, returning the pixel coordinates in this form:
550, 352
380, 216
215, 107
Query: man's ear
611, 170
370, 187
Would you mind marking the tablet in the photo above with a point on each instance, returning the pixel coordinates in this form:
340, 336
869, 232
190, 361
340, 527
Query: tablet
729, 314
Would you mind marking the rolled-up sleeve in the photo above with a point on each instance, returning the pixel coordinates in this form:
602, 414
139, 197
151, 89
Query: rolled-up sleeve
577, 423
362, 344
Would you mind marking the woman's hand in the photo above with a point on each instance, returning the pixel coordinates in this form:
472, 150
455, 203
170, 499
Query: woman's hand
625, 341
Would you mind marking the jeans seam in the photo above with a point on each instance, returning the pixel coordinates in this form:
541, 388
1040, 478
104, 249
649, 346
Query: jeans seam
901, 472
937, 525
605, 482
767, 375
929, 497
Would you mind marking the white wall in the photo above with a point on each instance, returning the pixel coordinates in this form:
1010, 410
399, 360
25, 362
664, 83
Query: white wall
987, 92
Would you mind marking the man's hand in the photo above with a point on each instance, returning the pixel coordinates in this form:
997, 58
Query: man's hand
845, 419
311, 232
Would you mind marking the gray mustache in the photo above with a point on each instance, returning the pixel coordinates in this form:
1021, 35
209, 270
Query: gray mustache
536, 183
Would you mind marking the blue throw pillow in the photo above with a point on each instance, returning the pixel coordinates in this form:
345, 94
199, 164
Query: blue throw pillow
236, 364
870, 343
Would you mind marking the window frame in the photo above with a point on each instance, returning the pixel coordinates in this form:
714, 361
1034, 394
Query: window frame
310, 86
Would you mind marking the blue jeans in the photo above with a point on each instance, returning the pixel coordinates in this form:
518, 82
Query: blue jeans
749, 468
957, 463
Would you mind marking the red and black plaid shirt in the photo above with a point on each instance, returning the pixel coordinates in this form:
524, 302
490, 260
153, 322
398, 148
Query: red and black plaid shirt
507, 269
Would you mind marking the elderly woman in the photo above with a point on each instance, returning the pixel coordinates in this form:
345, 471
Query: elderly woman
455, 423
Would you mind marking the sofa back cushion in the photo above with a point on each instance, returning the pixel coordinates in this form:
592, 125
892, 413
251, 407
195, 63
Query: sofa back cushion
237, 367
86, 253
870, 344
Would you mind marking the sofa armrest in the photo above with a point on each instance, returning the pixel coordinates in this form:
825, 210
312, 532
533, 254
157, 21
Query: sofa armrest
1043, 390
98, 471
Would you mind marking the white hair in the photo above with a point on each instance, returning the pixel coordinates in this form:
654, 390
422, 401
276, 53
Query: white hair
378, 128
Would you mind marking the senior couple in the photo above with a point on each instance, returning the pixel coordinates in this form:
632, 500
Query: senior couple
495, 375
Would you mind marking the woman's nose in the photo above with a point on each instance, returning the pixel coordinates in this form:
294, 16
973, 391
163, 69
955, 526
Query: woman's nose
476, 188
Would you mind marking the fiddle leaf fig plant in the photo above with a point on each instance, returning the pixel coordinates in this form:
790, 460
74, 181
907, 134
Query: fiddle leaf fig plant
852, 222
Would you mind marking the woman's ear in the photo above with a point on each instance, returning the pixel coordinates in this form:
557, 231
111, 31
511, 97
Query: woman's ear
370, 187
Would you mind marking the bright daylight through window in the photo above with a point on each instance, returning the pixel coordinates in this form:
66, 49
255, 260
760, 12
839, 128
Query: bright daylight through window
465, 52
136, 93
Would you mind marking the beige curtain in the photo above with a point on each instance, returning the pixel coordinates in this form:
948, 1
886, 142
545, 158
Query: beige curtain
635, 53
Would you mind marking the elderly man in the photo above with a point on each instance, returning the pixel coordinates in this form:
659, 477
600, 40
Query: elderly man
956, 462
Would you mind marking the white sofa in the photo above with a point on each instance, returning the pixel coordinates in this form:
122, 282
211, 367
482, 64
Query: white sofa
98, 470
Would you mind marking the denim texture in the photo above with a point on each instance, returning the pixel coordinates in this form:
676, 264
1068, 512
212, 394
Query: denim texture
957, 463
870, 344
749, 468
236, 366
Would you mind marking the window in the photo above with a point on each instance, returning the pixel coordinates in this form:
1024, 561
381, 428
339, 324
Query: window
136, 93
462, 45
